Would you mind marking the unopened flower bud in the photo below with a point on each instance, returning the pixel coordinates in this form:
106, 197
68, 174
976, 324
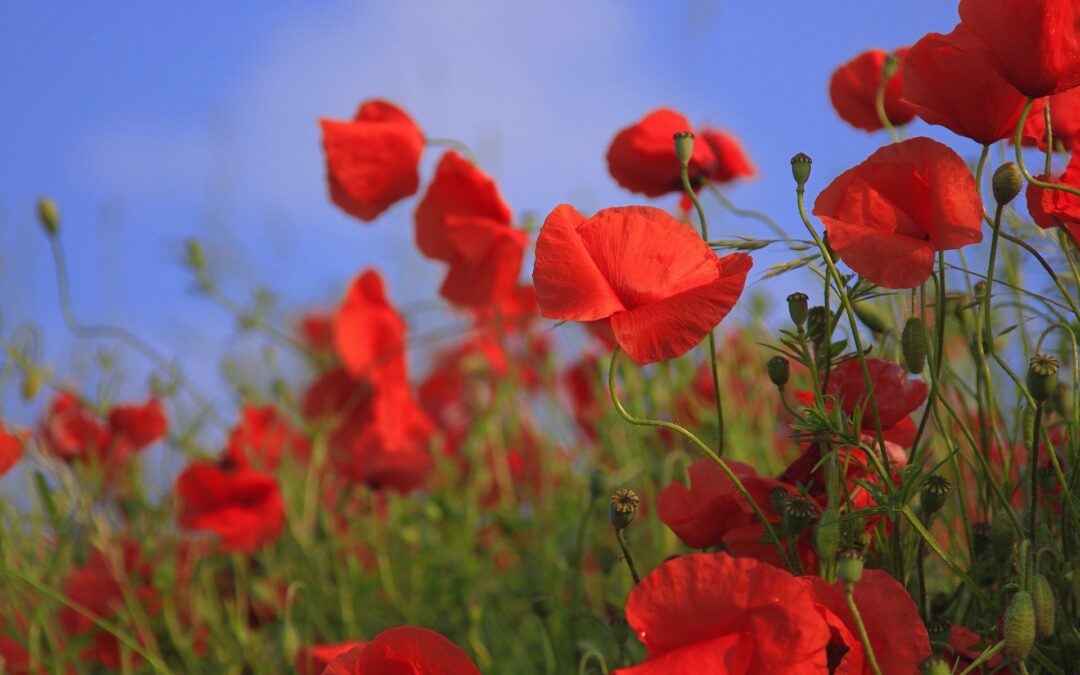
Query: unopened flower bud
872, 316
827, 535
800, 168
1042, 596
779, 371
850, 565
1042, 376
935, 666
913, 345
889, 68
684, 146
623, 508
1007, 183
1020, 626
48, 215
798, 308
935, 491
31, 383
797, 514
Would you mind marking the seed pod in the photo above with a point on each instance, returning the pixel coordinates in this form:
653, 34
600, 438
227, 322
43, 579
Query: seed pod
1020, 626
1042, 596
800, 168
827, 535
1007, 183
913, 345
798, 308
851, 565
684, 146
797, 514
934, 492
940, 630
890, 66
622, 508
779, 371
1042, 376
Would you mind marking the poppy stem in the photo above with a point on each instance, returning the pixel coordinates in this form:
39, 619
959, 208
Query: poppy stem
1049, 137
620, 536
453, 145
1033, 470
985, 656
879, 108
1020, 156
849, 593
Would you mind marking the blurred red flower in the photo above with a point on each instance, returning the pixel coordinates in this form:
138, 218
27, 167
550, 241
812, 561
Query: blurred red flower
242, 506
1064, 121
1036, 43
15, 658
313, 659
895, 394
887, 216
11, 449
263, 437
853, 90
405, 650
1056, 208
372, 161
943, 74
369, 334
642, 158
462, 220
135, 426
72, 431
662, 287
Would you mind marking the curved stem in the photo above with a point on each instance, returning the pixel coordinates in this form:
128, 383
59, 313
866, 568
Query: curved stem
747, 213
453, 145
1020, 156
849, 594
879, 108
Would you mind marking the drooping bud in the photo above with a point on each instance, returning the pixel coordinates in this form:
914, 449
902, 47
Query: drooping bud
684, 146
889, 68
827, 535
1042, 376
779, 371
623, 508
48, 215
872, 316
1042, 596
800, 168
850, 565
1020, 626
797, 514
935, 491
1007, 183
798, 308
913, 345
1002, 538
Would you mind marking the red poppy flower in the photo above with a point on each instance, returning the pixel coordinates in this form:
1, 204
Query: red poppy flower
317, 332
1036, 43
405, 650
662, 287
369, 334
965, 645
462, 220
642, 157
242, 506
372, 161
704, 514
853, 91
313, 659
711, 613
943, 74
135, 427
893, 626
71, 430
11, 449
1064, 121
895, 394
887, 217
510, 312
263, 437
1056, 208
15, 658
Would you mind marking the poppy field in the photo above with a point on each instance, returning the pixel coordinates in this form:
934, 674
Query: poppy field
628, 454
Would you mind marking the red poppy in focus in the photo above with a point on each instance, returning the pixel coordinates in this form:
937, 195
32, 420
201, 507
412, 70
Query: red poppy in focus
1057, 208
462, 220
263, 437
662, 287
1064, 121
242, 506
372, 161
369, 334
11, 449
1036, 43
405, 650
887, 217
943, 74
711, 613
853, 90
313, 659
642, 157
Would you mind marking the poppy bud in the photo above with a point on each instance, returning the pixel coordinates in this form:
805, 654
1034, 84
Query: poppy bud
851, 565
1042, 376
935, 666
48, 215
623, 508
827, 535
1006, 183
935, 491
684, 146
1020, 626
913, 345
1061, 402
1042, 597
800, 168
872, 317
798, 308
980, 539
1002, 538
31, 383
889, 67
797, 514
779, 371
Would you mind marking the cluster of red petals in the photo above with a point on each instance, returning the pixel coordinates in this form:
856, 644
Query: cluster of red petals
1057, 208
73, 432
405, 650
313, 659
16, 658
853, 91
662, 288
372, 161
945, 74
263, 437
369, 334
1064, 121
642, 157
895, 394
241, 505
712, 613
1035, 43
317, 332
462, 220
11, 449
887, 216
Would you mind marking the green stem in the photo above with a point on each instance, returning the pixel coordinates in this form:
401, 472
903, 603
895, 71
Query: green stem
849, 593
620, 536
879, 108
1033, 469
747, 213
985, 656
1020, 156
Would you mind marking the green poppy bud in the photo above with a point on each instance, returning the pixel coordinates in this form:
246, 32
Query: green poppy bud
31, 383
873, 317
684, 146
913, 345
48, 215
800, 168
623, 508
827, 535
1020, 626
798, 308
1042, 376
1007, 183
1042, 596
850, 565
935, 491
779, 371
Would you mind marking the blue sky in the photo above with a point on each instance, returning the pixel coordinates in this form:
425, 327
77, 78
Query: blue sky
150, 123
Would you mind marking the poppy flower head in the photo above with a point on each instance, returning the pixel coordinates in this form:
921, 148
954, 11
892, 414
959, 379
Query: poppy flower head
853, 91
263, 437
886, 217
404, 650
242, 506
71, 431
1057, 208
372, 161
369, 334
660, 285
135, 427
731, 160
11, 448
895, 394
1035, 43
1064, 121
